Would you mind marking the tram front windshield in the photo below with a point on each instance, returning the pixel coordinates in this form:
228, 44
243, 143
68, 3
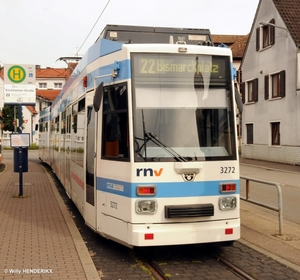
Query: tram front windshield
183, 107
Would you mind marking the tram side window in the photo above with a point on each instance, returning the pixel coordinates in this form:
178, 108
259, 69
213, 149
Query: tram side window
56, 134
63, 122
52, 129
68, 124
115, 139
78, 132
56, 124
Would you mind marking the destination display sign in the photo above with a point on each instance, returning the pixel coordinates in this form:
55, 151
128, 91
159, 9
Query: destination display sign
178, 65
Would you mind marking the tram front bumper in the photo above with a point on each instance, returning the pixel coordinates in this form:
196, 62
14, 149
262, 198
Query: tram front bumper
183, 233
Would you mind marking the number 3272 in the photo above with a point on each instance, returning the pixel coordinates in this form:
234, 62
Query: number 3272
227, 170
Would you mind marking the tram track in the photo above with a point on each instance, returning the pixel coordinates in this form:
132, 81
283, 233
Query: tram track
114, 261
160, 274
236, 270
155, 271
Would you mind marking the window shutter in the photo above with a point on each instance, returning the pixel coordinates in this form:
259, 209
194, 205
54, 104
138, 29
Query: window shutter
257, 38
272, 32
239, 76
266, 87
282, 83
255, 90
243, 92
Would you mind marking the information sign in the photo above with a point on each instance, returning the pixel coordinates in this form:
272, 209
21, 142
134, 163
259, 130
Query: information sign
19, 84
19, 140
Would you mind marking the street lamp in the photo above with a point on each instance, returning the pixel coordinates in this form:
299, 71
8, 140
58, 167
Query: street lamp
272, 24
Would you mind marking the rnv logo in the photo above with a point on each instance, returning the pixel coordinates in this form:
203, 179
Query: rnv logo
148, 172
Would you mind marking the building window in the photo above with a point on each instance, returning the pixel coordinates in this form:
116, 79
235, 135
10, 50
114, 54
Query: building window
42, 85
249, 91
265, 34
57, 85
275, 131
252, 88
249, 132
276, 84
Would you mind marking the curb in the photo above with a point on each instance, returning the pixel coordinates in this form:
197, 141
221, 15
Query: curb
83, 254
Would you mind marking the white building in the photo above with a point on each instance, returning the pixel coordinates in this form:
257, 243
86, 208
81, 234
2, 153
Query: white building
271, 84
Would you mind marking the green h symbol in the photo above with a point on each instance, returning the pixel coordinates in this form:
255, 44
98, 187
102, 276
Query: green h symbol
16, 73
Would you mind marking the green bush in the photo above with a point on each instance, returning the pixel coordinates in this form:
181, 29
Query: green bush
33, 146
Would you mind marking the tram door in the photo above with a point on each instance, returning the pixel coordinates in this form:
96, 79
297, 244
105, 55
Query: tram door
90, 191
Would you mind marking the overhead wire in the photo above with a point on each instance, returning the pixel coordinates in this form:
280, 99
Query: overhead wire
92, 27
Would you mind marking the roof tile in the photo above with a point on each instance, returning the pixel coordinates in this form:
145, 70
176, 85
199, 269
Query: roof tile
49, 94
237, 43
32, 109
225, 39
239, 46
289, 10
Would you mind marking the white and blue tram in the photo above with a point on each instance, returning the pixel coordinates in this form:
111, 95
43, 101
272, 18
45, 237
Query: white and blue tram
44, 130
143, 138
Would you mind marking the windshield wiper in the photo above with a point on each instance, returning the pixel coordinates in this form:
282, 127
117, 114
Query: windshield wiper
151, 136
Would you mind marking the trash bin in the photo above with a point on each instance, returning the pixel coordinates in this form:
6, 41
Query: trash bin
21, 159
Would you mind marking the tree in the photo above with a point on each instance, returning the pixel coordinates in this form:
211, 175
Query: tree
8, 117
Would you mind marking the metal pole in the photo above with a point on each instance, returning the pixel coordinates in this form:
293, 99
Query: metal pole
20, 118
15, 119
280, 206
247, 189
20, 173
20, 153
279, 192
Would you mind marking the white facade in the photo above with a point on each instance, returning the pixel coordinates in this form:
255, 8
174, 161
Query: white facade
274, 118
51, 83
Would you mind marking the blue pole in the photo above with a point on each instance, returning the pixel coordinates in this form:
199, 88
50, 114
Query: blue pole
20, 173
20, 153
20, 118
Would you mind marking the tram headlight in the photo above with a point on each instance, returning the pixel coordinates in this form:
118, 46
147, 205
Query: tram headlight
227, 203
146, 206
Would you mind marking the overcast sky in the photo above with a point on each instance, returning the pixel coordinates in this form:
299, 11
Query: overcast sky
41, 31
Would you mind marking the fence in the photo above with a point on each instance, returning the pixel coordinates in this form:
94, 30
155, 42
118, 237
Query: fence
277, 209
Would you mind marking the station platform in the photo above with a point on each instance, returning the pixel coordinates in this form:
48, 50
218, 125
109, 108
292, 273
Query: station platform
39, 239
39, 236
260, 226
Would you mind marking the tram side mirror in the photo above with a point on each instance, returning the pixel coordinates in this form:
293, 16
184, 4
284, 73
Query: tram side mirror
36, 127
98, 97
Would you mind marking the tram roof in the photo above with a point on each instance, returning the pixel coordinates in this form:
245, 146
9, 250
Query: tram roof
147, 34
